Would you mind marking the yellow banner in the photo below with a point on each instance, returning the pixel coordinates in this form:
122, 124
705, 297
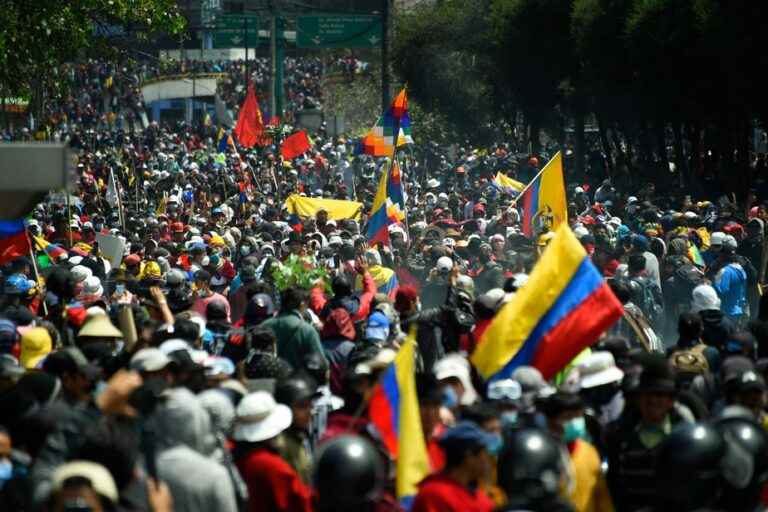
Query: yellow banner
336, 208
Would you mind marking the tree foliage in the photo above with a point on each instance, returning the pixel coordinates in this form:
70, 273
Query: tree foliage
640, 67
39, 35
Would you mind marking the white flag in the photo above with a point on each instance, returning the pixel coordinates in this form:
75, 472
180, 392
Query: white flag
111, 196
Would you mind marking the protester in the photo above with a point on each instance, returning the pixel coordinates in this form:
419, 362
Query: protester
203, 345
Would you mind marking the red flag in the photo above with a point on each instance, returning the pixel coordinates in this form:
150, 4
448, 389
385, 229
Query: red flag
250, 127
295, 145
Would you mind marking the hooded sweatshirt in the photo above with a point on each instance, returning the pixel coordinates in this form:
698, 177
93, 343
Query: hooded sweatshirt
185, 441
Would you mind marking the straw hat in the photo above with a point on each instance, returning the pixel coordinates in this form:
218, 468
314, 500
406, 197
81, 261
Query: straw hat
99, 326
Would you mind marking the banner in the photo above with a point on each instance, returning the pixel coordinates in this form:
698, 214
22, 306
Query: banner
336, 208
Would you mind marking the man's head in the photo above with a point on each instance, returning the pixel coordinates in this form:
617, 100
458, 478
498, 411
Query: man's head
78, 376
293, 298
82, 485
656, 390
636, 264
341, 286
297, 392
565, 415
689, 326
203, 280
466, 450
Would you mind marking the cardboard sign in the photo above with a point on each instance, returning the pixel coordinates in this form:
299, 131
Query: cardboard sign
111, 248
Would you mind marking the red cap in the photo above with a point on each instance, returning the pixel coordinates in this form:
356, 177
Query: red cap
132, 259
177, 227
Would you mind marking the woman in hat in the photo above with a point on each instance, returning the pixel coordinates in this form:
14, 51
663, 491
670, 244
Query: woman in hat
273, 485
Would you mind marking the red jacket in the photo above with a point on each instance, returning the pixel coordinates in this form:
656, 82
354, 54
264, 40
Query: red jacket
440, 493
273, 485
317, 299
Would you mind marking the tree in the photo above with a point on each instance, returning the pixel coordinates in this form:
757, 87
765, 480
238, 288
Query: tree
441, 53
40, 35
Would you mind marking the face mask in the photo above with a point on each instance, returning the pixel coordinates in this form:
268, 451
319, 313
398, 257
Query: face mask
575, 429
494, 446
450, 399
245, 250
6, 471
508, 419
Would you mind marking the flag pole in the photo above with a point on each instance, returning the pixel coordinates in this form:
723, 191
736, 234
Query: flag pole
525, 189
37, 274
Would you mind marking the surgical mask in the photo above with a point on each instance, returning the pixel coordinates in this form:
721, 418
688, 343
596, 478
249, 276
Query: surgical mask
494, 446
6, 471
508, 419
575, 428
450, 398
245, 250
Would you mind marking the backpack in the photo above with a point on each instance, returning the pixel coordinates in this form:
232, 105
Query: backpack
647, 302
691, 361
685, 278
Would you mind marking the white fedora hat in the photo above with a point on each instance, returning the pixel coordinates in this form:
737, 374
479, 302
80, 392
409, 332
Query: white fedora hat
260, 418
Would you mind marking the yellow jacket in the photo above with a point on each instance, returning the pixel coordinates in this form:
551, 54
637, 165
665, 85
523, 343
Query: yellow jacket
590, 490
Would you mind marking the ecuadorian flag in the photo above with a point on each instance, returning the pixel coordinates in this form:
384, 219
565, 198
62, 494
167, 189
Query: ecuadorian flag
546, 194
225, 141
385, 279
394, 410
565, 306
507, 184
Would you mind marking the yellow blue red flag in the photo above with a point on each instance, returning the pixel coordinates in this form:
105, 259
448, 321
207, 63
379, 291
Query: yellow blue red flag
545, 195
394, 410
562, 309
388, 205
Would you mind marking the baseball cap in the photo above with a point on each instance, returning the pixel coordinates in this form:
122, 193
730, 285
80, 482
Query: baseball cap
444, 264
466, 433
149, 360
36, 343
716, 239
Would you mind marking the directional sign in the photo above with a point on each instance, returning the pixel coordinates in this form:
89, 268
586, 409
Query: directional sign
229, 31
334, 31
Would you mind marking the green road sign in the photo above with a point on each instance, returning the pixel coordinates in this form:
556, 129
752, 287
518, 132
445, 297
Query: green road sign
229, 31
335, 31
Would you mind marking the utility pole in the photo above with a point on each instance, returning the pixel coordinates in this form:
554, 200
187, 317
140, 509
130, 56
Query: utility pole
245, 38
385, 78
276, 50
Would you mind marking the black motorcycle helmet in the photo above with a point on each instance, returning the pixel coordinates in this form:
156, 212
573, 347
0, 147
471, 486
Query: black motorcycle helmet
348, 473
530, 465
693, 465
739, 429
297, 387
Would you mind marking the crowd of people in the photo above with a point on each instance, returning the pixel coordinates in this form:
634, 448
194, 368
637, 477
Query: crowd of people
225, 357
106, 96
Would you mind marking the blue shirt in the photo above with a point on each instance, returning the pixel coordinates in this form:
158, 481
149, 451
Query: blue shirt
731, 286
